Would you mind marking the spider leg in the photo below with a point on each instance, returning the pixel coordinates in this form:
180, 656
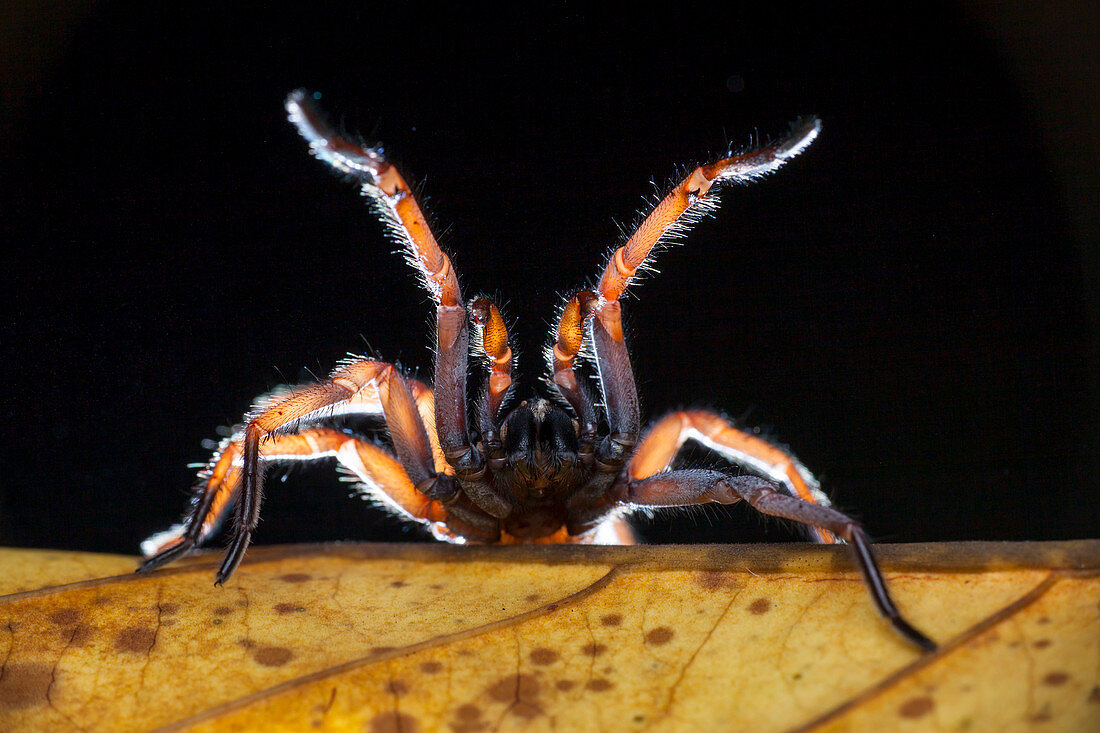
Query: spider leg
286, 414
692, 199
665, 438
682, 207
686, 487
380, 473
363, 387
393, 198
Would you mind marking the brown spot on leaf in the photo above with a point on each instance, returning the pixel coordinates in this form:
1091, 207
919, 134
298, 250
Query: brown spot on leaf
81, 634
612, 619
544, 656
916, 707
713, 580
1042, 643
523, 709
295, 577
222, 610
392, 721
599, 684
760, 606
25, 684
1055, 679
1094, 696
397, 687
246, 643
468, 712
1043, 620
532, 597
431, 667
660, 635
475, 726
398, 584
272, 656
168, 608
594, 650
514, 687
135, 639
65, 616
565, 685
285, 608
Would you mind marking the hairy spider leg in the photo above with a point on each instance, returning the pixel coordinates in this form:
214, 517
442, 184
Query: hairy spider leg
381, 475
363, 387
694, 197
686, 487
394, 201
663, 440
671, 218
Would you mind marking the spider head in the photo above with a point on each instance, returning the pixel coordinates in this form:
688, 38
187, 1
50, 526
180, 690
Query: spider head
540, 444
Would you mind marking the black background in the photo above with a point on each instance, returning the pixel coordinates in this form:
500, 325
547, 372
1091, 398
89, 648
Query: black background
909, 304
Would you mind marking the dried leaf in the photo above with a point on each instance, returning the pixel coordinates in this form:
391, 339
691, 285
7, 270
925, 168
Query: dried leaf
424, 638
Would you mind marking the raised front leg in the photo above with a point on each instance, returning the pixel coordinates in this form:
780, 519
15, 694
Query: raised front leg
394, 200
693, 198
687, 487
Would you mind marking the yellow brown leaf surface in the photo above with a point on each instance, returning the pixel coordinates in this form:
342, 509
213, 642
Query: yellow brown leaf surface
425, 638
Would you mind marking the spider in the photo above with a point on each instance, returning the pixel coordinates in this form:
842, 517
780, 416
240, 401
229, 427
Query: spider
559, 470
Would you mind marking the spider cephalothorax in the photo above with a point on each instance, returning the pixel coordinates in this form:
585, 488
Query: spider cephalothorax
562, 470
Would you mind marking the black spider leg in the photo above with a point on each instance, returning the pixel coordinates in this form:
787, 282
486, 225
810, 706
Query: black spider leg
193, 524
688, 487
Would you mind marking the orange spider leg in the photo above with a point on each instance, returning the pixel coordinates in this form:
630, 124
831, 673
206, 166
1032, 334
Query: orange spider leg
691, 199
394, 200
410, 440
664, 440
367, 387
425, 406
383, 183
682, 207
380, 473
